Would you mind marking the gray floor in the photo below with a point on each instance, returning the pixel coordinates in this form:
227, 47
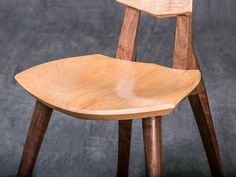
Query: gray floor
36, 31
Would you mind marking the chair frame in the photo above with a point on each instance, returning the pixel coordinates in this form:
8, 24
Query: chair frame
184, 58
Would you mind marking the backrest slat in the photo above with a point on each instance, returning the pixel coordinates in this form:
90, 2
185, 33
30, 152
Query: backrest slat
127, 41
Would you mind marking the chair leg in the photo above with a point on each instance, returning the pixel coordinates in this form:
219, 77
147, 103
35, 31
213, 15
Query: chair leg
126, 50
185, 58
36, 132
201, 110
152, 135
125, 134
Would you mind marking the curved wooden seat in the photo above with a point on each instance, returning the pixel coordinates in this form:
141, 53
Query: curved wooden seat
99, 87
161, 8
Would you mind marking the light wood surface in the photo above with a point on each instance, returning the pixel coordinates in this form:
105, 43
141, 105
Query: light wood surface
161, 8
92, 87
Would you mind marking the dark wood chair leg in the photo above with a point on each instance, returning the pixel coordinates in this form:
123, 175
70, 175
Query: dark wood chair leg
185, 58
126, 50
202, 113
36, 132
152, 135
125, 135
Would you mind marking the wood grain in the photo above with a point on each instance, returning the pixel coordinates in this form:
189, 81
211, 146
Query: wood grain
126, 50
36, 132
82, 87
201, 109
185, 58
183, 44
152, 135
127, 41
204, 121
124, 144
161, 8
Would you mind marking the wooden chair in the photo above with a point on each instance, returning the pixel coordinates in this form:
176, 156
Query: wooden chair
99, 88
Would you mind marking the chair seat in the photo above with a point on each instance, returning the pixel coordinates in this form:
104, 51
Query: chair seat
100, 87
161, 8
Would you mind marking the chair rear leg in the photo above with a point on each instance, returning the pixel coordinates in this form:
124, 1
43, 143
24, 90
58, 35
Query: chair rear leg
36, 132
202, 113
185, 58
152, 136
125, 135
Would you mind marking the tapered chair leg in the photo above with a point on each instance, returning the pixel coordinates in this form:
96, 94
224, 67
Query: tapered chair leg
36, 132
185, 58
126, 51
201, 110
152, 135
124, 143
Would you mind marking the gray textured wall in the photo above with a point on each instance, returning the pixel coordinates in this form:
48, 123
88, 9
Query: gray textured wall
36, 31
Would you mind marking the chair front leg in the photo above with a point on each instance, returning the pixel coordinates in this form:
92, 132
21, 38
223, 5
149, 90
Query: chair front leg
152, 136
36, 132
124, 143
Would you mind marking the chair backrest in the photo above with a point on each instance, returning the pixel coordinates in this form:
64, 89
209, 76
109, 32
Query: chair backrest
182, 9
161, 8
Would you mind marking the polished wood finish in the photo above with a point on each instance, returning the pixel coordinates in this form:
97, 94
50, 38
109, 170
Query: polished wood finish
98, 87
126, 50
37, 129
152, 135
161, 8
183, 44
124, 144
203, 118
82, 88
185, 58
128, 36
